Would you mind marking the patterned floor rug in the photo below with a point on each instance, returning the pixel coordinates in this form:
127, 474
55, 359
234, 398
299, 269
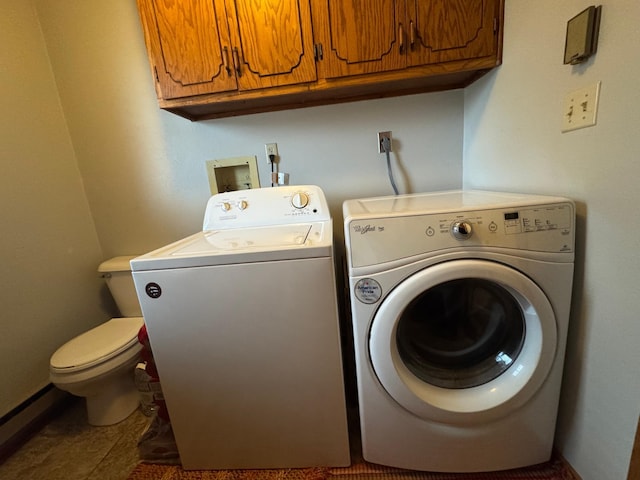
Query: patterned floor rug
553, 470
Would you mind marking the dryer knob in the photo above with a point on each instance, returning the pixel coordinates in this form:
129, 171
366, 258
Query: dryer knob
300, 200
461, 230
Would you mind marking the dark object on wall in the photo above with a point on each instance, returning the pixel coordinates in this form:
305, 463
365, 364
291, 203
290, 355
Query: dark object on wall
582, 35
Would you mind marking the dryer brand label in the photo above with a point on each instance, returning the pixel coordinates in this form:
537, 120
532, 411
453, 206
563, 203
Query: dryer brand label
362, 229
153, 290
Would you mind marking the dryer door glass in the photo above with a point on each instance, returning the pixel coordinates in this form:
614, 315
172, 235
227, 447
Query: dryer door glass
462, 333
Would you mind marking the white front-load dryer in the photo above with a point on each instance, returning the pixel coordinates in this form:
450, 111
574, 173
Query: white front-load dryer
460, 306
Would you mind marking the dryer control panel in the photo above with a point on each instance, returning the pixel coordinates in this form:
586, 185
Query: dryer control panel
508, 222
544, 228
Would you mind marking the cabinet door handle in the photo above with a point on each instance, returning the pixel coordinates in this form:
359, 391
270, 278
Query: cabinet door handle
412, 35
236, 61
401, 38
225, 60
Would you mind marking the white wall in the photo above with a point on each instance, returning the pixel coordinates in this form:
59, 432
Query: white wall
155, 161
513, 142
92, 168
49, 288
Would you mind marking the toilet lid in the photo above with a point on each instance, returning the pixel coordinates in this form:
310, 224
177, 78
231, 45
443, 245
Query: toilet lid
98, 344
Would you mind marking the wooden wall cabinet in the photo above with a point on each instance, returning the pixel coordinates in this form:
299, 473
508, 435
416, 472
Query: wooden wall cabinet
396, 34
217, 58
449, 30
211, 46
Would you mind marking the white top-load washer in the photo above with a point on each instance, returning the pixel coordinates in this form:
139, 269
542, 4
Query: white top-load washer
460, 306
243, 323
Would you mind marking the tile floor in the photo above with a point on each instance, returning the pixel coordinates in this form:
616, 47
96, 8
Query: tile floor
68, 448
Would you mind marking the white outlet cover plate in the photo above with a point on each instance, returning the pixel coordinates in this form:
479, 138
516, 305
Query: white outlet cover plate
581, 108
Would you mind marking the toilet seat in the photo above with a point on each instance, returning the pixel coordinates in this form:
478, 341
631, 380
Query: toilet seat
97, 346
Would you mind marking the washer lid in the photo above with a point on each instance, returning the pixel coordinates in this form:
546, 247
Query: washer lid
251, 238
97, 345
242, 245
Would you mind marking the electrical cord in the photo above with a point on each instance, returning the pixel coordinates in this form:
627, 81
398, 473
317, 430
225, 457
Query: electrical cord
272, 159
386, 146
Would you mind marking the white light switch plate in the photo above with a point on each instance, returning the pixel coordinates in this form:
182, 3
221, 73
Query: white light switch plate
581, 108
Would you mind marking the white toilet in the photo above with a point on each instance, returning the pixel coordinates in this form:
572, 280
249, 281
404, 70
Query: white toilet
99, 364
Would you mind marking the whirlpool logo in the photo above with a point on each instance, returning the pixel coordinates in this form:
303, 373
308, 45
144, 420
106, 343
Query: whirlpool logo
362, 229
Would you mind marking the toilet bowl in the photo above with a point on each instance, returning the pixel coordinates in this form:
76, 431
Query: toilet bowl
99, 364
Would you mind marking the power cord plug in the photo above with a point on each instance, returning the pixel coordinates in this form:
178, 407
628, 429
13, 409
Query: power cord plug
386, 144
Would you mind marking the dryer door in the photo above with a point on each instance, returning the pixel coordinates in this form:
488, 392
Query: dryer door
463, 340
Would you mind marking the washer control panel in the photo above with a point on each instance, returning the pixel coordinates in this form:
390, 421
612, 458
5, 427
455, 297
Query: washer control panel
266, 206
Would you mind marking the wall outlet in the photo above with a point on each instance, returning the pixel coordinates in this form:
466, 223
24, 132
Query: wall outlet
581, 108
381, 137
271, 149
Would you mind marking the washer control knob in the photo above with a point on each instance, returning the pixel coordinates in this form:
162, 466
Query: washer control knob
225, 206
242, 204
300, 200
461, 230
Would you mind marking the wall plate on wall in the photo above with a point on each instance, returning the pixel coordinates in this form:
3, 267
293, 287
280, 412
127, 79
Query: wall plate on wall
582, 35
231, 174
581, 108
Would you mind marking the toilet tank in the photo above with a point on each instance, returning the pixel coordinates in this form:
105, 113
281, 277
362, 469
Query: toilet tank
117, 273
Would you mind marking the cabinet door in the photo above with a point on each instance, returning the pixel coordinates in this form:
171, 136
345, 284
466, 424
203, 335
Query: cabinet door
448, 30
188, 45
360, 36
272, 42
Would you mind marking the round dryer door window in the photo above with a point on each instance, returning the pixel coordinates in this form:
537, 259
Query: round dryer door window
461, 333
463, 339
